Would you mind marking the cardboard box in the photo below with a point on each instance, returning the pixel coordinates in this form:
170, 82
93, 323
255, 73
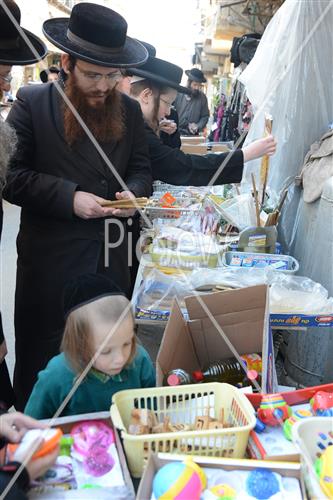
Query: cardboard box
66, 423
242, 315
155, 462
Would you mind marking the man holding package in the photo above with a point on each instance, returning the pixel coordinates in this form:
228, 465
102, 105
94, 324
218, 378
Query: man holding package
79, 142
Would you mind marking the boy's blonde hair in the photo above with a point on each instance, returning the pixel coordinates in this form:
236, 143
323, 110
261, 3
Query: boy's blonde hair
77, 340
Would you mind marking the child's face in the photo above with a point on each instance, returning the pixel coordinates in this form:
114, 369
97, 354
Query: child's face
117, 349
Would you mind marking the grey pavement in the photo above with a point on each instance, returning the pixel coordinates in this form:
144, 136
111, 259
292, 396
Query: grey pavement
8, 274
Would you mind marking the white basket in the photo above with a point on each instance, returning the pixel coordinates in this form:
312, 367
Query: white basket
311, 436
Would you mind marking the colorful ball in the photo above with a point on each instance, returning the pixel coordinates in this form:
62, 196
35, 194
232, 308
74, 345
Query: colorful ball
223, 492
179, 481
262, 484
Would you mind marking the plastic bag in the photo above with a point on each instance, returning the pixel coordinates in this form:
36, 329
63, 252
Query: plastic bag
157, 293
239, 211
174, 247
298, 294
207, 279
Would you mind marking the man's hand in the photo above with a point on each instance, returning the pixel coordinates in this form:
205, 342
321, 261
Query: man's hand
121, 212
259, 148
14, 425
87, 205
193, 128
168, 126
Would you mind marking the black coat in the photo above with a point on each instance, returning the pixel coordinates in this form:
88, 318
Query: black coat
53, 244
173, 166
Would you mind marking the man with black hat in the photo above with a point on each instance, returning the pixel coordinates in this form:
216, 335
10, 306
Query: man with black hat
81, 142
192, 109
50, 74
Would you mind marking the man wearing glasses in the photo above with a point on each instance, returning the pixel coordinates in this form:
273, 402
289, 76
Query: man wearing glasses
81, 142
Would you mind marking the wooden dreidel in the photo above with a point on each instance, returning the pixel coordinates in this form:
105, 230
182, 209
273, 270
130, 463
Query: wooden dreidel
202, 423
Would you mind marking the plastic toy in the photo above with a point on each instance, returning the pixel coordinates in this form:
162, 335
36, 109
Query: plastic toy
65, 446
324, 470
92, 440
262, 484
179, 481
50, 439
296, 416
322, 404
273, 409
223, 492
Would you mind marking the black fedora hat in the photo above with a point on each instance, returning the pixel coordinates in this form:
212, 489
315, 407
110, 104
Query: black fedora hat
162, 72
45, 73
97, 35
13, 48
196, 75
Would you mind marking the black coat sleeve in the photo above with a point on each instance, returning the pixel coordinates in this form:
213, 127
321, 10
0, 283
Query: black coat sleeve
26, 187
17, 490
204, 114
139, 176
172, 140
175, 167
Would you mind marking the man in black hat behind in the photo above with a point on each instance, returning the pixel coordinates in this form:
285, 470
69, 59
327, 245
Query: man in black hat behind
80, 142
192, 109
50, 74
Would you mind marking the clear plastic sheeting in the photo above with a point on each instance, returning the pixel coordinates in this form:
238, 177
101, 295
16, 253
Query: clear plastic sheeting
290, 77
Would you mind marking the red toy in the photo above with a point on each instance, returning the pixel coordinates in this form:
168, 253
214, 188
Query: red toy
273, 410
322, 404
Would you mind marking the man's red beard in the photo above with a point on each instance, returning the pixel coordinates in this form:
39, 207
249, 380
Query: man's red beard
105, 121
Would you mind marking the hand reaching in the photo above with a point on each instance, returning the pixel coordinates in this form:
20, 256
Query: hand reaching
259, 148
14, 425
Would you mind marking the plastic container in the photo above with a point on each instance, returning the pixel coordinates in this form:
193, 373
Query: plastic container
183, 404
258, 239
311, 436
282, 263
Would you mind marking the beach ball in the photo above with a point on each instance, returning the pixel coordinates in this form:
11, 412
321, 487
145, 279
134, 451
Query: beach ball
179, 481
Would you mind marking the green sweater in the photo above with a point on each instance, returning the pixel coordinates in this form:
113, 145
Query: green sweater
93, 394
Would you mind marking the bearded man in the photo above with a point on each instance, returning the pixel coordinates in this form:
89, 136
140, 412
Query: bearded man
192, 108
60, 177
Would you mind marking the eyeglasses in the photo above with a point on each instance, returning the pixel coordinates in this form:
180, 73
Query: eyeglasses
111, 78
6, 79
167, 103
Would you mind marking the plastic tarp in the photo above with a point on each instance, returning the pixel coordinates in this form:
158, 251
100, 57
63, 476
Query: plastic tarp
290, 77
